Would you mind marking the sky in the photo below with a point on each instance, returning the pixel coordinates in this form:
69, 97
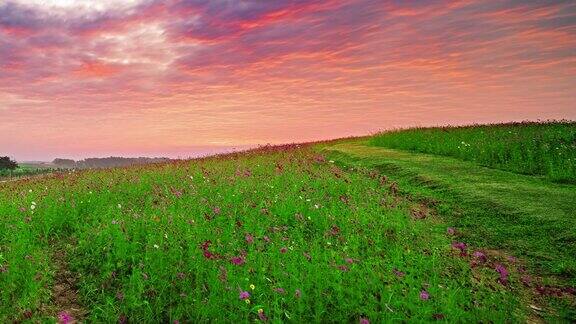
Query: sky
84, 78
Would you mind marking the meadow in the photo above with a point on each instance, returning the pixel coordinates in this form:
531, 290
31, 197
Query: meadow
535, 148
293, 233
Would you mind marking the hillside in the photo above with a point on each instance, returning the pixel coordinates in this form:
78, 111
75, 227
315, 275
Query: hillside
342, 231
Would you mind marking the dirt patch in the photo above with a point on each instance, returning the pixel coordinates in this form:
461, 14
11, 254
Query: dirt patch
65, 305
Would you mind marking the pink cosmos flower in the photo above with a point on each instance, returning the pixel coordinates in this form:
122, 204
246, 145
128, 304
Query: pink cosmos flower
460, 246
244, 295
503, 274
398, 273
249, 239
480, 256
239, 260
424, 295
65, 318
451, 231
364, 320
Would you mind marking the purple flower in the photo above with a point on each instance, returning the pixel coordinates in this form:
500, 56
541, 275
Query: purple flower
244, 295
503, 274
216, 210
424, 295
249, 238
266, 238
280, 290
65, 318
398, 273
451, 231
349, 260
480, 256
364, 320
460, 246
239, 260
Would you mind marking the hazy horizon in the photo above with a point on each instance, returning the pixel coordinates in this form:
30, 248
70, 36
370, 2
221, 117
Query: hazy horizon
160, 78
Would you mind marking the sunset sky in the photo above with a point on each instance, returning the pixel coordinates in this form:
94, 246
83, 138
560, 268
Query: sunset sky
82, 78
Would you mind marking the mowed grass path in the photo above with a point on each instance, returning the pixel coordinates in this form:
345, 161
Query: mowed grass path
270, 235
526, 216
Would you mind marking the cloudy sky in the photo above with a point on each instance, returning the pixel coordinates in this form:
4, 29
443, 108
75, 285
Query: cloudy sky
148, 77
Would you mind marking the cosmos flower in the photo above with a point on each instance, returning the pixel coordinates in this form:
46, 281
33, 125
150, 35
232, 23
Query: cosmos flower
451, 231
65, 318
239, 260
398, 273
460, 246
364, 320
503, 273
244, 295
480, 256
249, 239
424, 295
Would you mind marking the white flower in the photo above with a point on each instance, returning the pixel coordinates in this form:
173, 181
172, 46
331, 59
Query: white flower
156, 246
119, 206
33, 207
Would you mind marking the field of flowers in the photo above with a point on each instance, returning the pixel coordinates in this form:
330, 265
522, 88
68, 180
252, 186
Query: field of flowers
547, 148
275, 234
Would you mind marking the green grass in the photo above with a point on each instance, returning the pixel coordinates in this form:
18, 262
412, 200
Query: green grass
331, 232
547, 148
133, 236
529, 218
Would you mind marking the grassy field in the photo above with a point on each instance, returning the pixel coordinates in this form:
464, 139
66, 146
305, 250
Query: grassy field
339, 232
530, 148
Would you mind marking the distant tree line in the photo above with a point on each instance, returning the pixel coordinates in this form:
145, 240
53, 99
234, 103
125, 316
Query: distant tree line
7, 164
108, 162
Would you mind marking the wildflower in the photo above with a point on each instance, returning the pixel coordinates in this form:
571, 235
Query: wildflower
283, 250
398, 273
280, 290
239, 260
424, 295
460, 246
216, 210
156, 246
32, 207
266, 238
119, 206
480, 256
247, 301
244, 295
262, 316
503, 274
249, 239
451, 231
114, 222
65, 318
349, 260
364, 320
252, 287
343, 268
297, 293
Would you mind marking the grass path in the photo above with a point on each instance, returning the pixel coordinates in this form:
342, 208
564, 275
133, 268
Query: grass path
527, 216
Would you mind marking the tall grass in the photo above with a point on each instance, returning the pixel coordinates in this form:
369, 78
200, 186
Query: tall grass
547, 148
282, 236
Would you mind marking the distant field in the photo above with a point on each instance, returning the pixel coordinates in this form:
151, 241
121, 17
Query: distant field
330, 232
529, 148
